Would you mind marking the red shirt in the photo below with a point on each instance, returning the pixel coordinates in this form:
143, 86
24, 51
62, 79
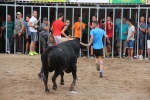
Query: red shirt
57, 27
109, 32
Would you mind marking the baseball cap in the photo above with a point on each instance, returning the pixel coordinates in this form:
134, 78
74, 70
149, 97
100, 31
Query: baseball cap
18, 13
45, 19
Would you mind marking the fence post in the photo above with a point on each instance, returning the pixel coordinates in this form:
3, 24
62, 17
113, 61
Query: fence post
24, 27
72, 21
6, 30
121, 33
113, 33
145, 33
89, 32
81, 28
105, 48
15, 22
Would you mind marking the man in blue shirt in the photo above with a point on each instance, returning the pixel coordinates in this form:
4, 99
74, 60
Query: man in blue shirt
122, 37
96, 38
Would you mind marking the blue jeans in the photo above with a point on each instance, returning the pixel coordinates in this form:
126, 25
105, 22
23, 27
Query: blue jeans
9, 43
34, 36
130, 44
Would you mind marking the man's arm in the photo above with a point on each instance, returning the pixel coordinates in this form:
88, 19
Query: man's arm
143, 29
46, 28
30, 24
63, 31
109, 26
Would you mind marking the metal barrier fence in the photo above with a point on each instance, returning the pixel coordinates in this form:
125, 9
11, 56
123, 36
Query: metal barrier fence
128, 12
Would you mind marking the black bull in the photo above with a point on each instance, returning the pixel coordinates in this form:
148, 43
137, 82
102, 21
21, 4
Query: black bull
62, 57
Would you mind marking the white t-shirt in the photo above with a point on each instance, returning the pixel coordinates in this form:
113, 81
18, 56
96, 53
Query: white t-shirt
33, 20
130, 30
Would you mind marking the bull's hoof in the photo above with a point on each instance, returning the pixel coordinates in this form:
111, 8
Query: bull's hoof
47, 90
55, 86
61, 83
72, 87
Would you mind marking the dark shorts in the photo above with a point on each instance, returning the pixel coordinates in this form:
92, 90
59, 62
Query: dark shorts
107, 43
130, 44
29, 39
141, 43
85, 38
34, 36
43, 42
98, 52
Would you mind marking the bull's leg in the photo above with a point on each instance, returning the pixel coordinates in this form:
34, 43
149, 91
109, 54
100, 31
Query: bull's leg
74, 70
56, 74
62, 78
46, 80
41, 74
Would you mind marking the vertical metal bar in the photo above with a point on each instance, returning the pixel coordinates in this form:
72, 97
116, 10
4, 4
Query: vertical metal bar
89, 30
39, 35
23, 34
130, 13
135, 43
72, 21
6, 29
113, 33
48, 16
15, 22
121, 33
31, 9
64, 14
97, 12
56, 12
80, 29
145, 33
105, 48
138, 30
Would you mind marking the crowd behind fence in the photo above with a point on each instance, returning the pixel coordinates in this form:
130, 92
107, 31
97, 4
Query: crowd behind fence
141, 42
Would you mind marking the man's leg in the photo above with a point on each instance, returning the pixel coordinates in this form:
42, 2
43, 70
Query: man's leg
131, 50
124, 48
20, 43
17, 43
129, 53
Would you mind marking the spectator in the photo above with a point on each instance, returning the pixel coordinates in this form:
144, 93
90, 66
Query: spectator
118, 20
45, 26
142, 30
65, 31
109, 32
57, 28
124, 36
28, 34
130, 39
0, 35
18, 32
94, 18
148, 38
33, 25
10, 28
50, 40
77, 28
85, 32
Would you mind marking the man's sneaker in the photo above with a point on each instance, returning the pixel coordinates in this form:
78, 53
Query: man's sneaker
124, 56
140, 58
31, 54
101, 74
26, 53
97, 66
91, 57
118, 56
136, 56
19, 53
7, 52
35, 53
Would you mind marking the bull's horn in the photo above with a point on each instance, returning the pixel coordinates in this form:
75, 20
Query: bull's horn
83, 44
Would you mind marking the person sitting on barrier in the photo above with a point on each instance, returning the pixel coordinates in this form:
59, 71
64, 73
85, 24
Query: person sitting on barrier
44, 28
148, 38
10, 28
130, 39
27, 34
122, 38
65, 35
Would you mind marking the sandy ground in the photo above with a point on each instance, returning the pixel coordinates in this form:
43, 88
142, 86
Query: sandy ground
123, 80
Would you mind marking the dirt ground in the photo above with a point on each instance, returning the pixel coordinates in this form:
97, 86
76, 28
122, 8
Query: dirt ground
123, 80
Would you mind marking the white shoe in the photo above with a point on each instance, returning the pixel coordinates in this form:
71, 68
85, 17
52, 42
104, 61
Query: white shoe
7, 52
137, 56
141, 58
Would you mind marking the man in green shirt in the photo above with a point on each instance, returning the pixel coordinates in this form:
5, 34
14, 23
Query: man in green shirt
9, 28
85, 33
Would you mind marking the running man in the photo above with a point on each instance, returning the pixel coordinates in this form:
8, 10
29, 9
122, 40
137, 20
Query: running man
96, 38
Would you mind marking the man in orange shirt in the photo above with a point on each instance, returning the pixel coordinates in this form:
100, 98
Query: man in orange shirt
77, 28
